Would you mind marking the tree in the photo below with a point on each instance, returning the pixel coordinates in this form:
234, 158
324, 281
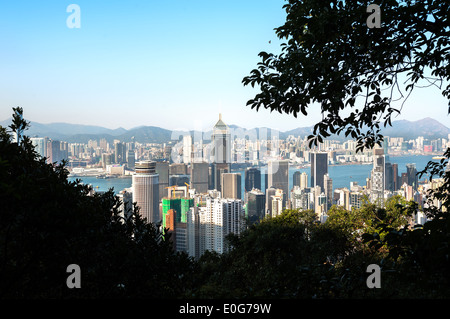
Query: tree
48, 223
413, 260
282, 257
333, 58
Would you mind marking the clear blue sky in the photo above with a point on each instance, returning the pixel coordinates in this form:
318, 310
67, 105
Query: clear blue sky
174, 64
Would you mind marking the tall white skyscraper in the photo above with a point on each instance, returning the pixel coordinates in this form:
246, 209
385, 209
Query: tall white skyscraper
302, 198
277, 203
145, 186
303, 180
40, 145
343, 195
208, 225
320, 203
378, 176
187, 149
270, 192
126, 197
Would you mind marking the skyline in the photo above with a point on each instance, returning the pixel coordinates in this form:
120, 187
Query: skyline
150, 64
427, 127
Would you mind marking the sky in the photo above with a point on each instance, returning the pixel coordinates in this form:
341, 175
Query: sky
173, 64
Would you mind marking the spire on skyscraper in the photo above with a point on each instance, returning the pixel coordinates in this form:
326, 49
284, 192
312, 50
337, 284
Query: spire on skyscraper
220, 125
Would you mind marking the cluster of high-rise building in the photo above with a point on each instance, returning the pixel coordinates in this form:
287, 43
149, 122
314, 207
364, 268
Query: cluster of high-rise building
200, 203
55, 151
384, 182
199, 211
190, 189
249, 147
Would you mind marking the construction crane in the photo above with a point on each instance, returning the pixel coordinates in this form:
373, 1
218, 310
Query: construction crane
201, 198
173, 190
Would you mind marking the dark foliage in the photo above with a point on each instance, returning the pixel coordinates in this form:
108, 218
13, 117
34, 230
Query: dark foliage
48, 223
332, 58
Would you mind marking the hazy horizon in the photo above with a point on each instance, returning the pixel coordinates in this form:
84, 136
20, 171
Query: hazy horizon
190, 129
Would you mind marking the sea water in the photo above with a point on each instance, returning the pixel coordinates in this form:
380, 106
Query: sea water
341, 175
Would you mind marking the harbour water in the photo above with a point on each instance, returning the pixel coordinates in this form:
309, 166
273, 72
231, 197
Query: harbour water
342, 175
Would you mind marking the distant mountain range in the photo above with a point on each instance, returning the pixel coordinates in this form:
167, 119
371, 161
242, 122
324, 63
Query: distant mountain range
77, 133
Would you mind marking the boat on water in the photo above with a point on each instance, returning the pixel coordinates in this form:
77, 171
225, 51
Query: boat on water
438, 157
103, 176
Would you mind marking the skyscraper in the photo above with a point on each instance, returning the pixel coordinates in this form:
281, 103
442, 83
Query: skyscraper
395, 177
199, 177
412, 175
145, 185
256, 206
162, 169
278, 177
221, 143
106, 160
40, 145
328, 190
388, 177
265, 178
319, 167
194, 231
252, 179
187, 149
170, 204
217, 170
64, 150
342, 197
54, 153
303, 180
208, 225
231, 185
126, 197
180, 204
296, 178
221, 151
270, 192
177, 169
177, 229
320, 204
378, 176
120, 152
131, 159
302, 198
356, 200
277, 201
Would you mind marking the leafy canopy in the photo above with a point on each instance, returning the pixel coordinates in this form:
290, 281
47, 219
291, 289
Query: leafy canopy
48, 223
331, 57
